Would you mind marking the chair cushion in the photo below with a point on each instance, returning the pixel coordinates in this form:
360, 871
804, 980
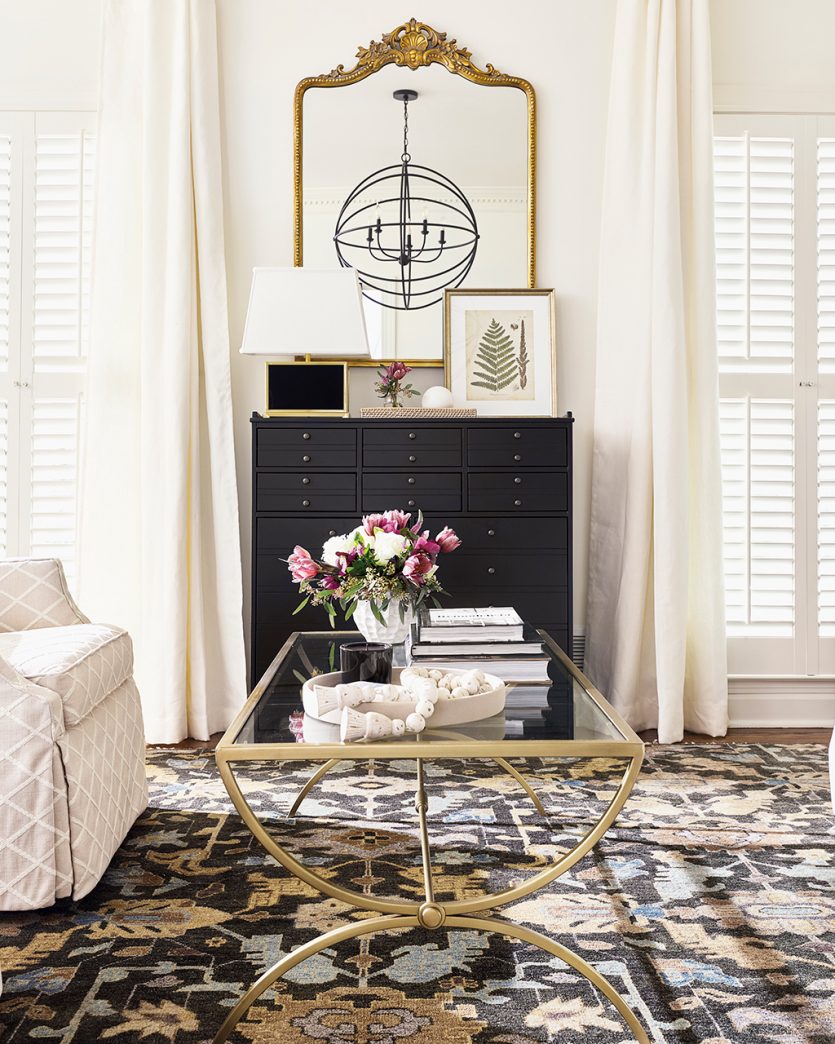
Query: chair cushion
83, 663
33, 593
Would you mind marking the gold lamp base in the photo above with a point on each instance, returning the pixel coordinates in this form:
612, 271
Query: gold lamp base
304, 388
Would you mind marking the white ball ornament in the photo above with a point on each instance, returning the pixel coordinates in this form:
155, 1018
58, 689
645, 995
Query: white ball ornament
425, 708
415, 722
435, 675
443, 692
459, 692
436, 398
398, 726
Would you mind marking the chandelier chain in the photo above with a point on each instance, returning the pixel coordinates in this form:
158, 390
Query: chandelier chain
405, 157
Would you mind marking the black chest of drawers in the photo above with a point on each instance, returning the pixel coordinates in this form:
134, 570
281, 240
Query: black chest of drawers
503, 485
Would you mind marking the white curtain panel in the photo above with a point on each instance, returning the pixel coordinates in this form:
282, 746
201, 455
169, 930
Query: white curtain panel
656, 628
160, 549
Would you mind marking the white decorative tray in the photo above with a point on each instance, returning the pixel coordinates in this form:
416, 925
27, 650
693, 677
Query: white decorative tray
447, 712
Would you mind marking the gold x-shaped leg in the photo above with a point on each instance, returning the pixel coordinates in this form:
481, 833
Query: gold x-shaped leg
397, 914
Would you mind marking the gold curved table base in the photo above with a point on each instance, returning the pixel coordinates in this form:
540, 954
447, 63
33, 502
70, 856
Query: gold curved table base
395, 923
326, 766
403, 913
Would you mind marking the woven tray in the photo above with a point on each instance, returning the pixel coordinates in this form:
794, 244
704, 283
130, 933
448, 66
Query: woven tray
416, 413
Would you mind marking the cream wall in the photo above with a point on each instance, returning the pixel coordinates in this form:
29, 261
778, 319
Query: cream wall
562, 47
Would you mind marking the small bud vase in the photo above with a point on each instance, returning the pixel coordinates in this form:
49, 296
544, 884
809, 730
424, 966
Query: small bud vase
393, 631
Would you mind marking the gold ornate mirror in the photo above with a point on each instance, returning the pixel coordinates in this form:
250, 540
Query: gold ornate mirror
418, 179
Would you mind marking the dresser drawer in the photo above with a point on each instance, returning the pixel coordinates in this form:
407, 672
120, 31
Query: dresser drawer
506, 533
280, 535
429, 491
411, 456
517, 447
518, 492
504, 569
330, 446
323, 491
412, 439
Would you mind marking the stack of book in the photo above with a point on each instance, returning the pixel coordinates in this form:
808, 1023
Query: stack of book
493, 640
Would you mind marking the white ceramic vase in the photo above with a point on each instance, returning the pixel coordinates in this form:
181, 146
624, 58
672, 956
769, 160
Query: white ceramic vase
393, 631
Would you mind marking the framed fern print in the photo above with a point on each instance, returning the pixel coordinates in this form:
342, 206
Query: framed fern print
500, 351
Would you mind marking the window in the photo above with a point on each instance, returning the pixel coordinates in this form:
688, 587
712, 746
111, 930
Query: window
775, 272
46, 199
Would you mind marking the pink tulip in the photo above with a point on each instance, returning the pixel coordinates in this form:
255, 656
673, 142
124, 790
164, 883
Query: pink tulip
423, 543
301, 565
372, 522
447, 539
397, 520
330, 583
345, 558
416, 569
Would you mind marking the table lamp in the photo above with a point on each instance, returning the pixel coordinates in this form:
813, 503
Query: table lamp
313, 313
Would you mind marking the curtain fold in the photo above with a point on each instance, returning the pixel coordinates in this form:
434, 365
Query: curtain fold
656, 628
160, 546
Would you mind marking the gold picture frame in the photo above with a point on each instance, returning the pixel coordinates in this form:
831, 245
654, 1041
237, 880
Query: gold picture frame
515, 408
412, 45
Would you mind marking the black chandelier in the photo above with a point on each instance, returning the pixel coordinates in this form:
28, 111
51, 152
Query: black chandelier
375, 230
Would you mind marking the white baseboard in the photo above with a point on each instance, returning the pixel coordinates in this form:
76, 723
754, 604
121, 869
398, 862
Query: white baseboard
781, 703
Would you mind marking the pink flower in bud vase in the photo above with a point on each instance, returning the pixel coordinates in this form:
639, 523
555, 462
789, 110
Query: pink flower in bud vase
423, 543
417, 568
301, 565
397, 520
396, 371
447, 539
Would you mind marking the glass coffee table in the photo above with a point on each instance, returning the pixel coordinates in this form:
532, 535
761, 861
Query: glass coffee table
566, 717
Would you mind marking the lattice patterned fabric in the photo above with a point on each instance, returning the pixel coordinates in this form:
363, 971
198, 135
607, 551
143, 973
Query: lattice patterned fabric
34, 593
82, 663
104, 759
34, 834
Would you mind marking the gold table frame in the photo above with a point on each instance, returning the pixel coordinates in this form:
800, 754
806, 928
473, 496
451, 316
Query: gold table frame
396, 914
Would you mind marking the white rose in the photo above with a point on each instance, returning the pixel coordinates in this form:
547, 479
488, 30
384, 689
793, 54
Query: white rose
335, 544
387, 545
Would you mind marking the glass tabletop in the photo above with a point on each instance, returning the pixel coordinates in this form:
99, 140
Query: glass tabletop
566, 707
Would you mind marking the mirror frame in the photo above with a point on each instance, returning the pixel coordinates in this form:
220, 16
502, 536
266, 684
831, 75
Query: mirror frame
412, 45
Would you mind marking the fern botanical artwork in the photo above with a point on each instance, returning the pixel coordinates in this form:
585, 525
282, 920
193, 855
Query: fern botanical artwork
498, 362
499, 351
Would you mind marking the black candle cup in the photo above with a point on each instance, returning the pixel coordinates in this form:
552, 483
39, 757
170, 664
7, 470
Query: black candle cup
366, 662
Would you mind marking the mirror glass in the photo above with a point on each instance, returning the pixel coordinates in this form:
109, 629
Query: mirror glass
473, 135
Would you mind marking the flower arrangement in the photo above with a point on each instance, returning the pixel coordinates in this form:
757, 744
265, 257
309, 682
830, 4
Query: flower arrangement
388, 384
386, 560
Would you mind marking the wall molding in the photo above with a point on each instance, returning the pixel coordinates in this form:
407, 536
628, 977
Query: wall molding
781, 703
757, 98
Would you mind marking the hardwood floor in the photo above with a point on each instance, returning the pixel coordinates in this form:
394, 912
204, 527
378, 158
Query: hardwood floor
649, 736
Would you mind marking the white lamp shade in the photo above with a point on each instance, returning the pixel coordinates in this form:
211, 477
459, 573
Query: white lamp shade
305, 311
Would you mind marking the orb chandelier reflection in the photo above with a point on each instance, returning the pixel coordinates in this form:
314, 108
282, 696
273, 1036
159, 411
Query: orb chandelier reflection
408, 230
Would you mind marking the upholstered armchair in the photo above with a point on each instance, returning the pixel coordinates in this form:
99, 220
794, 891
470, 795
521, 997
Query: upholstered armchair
72, 749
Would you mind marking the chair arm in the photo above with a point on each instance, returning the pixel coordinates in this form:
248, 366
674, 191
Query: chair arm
34, 593
34, 827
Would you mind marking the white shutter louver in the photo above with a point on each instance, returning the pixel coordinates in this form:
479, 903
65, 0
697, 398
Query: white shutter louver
5, 245
826, 253
63, 222
758, 488
826, 517
754, 227
55, 453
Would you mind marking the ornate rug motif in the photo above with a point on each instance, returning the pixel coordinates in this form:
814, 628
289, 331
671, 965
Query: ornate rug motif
710, 906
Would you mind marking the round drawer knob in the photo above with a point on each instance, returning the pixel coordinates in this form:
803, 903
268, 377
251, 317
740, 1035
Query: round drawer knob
306, 458
412, 458
517, 434
411, 481
517, 456
306, 435
518, 481
518, 503
331, 532
491, 570
305, 503
491, 532
305, 481
411, 503
412, 435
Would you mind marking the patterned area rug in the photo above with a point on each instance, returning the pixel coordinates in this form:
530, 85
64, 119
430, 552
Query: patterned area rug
709, 906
